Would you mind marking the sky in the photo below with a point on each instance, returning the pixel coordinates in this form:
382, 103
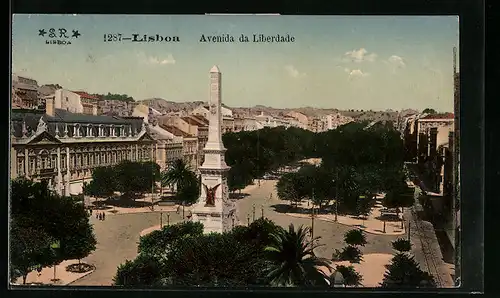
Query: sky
343, 62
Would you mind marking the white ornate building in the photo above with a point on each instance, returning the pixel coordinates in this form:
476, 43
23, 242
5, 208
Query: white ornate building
62, 148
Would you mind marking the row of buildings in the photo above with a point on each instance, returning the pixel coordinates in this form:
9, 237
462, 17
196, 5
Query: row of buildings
61, 136
432, 142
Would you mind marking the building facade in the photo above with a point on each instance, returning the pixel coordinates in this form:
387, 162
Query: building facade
63, 148
25, 93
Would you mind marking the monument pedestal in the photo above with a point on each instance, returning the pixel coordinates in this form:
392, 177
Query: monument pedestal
210, 216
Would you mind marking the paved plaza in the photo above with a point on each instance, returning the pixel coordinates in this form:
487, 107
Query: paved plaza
331, 233
119, 233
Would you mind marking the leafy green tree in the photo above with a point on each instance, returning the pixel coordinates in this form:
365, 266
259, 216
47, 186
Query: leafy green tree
178, 174
289, 188
29, 249
401, 245
103, 183
189, 190
145, 270
351, 277
81, 243
292, 261
404, 272
349, 253
62, 220
136, 177
355, 237
399, 197
429, 111
159, 242
208, 259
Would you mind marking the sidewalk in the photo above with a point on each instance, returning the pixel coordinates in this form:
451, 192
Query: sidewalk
47, 274
371, 224
371, 268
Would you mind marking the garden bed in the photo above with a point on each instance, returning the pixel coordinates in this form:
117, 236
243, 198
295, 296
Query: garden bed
79, 268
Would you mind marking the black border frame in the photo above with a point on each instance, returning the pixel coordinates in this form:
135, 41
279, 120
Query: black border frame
472, 66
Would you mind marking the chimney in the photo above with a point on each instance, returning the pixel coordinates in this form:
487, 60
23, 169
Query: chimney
49, 106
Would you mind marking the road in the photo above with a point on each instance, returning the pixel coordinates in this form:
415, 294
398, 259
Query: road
331, 233
117, 241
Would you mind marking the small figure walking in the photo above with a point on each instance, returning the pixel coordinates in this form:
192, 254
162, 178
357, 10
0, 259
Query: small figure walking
103, 216
91, 211
97, 215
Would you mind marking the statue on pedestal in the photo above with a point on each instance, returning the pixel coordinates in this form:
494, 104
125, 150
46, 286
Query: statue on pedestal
210, 200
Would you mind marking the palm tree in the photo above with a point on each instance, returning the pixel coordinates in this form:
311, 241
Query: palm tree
177, 174
292, 261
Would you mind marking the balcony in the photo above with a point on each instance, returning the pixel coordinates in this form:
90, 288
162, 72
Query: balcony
46, 172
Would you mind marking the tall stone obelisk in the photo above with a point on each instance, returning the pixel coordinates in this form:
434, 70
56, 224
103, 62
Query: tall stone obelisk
214, 208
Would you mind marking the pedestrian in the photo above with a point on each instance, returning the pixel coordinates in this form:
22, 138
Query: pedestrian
97, 215
90, 211
103, 216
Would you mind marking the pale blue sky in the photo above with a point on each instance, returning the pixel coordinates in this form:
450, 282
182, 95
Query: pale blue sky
345, 62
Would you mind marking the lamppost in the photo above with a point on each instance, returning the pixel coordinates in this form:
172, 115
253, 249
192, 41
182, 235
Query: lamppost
262, 210
168, 219
360, 209
248, 220
384, 227
161, 220
253, 212
232, 218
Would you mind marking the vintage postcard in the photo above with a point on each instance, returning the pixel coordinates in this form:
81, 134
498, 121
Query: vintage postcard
234, 151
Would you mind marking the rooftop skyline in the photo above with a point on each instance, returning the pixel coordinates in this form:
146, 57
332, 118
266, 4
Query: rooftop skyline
344, 62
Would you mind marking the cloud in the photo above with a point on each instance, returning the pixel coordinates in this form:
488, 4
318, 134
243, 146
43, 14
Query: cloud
293, 71
355, 73
397, 61
360, 55
156, 60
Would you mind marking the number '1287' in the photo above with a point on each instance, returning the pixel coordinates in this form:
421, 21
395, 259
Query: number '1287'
112, 37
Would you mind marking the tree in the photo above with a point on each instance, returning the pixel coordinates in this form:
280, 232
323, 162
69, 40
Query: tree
355, 237
429, 111
292, 261
29, 249
349, 253
158, 243
288, 188
62, 220
136, 177
177, 174
404, 272
145, 270
399, 197
103, 183
81, 243
189, 190
351, 277
401, 245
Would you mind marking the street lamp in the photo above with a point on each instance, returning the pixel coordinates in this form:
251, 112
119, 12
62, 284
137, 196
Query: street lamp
168, 219
232, 218
262, 210
161, 219
248, 220
253, 212
384, 227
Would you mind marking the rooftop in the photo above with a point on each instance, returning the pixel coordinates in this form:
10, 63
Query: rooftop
194, 122
84, 94
215, 69
200, 118
440, 116
175, 131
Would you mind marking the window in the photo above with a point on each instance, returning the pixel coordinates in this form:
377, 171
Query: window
20, 166
54, 161
63, 161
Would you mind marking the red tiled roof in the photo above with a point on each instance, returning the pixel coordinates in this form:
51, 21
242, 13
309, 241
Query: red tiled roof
440, 116
86, 95
175, 131
194, 122
201, 119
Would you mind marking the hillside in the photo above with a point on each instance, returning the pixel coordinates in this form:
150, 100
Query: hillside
166, 106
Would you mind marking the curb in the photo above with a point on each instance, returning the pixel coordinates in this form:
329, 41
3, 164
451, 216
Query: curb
344, 224
86, 274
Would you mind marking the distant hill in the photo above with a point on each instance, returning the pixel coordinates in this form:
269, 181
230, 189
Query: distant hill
165, 106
